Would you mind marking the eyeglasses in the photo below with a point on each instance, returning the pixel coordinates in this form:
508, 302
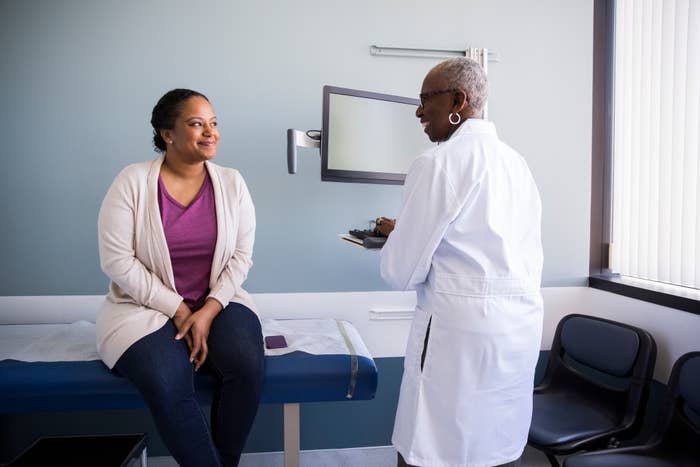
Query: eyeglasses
424, 96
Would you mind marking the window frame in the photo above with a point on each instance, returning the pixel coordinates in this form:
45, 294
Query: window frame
600, 275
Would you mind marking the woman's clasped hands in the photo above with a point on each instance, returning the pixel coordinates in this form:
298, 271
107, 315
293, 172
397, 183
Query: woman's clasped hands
194, 328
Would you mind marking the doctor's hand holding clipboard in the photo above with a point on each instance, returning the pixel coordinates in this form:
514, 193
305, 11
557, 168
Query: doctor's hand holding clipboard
384, 226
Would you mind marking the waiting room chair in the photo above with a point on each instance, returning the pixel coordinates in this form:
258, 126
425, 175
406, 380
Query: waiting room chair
676, 440
595, 387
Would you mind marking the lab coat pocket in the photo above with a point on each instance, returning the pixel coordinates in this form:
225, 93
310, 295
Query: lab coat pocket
416, 341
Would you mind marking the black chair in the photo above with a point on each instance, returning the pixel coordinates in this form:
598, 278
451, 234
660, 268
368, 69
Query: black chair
595, 387
676, 440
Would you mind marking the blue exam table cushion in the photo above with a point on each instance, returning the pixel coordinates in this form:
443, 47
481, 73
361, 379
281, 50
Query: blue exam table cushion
90, 385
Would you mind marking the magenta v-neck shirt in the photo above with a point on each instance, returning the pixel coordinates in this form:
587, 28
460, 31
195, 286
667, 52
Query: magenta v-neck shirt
191, 235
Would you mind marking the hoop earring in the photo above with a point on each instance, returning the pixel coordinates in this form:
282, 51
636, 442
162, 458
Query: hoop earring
459, 118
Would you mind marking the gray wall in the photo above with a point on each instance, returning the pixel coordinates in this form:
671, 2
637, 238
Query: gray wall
79, 79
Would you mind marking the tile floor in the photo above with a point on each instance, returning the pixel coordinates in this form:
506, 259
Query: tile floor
357, 457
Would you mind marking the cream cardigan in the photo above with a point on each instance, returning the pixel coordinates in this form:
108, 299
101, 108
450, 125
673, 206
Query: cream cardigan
134, 254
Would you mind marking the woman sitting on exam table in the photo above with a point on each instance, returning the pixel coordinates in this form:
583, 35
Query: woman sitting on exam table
467, 239
176, 239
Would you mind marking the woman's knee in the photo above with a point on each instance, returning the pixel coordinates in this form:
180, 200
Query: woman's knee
240, 320
245, 365
235, 341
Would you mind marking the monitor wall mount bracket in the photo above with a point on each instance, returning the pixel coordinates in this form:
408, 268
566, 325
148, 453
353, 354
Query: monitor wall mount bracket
303, 139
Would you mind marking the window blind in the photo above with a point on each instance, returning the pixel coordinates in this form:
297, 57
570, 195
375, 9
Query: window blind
656, 189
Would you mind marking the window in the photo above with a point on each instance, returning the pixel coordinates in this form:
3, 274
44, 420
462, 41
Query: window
646, 149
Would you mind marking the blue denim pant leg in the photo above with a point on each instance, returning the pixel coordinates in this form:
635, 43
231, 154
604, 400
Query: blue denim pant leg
236, 360
159, 367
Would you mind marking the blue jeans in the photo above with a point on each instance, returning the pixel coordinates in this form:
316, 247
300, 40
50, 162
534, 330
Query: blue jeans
158, 365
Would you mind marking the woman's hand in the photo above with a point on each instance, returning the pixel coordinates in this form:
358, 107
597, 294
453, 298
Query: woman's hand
384, 226
181, 315
197, 327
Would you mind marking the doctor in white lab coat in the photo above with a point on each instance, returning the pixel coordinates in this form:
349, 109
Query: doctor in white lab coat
467, 239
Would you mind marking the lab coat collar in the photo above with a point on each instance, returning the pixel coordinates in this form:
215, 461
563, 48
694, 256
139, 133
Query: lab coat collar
475, 125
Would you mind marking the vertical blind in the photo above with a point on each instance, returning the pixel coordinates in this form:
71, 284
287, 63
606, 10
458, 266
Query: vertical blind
656, 175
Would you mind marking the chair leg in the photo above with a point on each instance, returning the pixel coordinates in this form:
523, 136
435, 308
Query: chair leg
552, 459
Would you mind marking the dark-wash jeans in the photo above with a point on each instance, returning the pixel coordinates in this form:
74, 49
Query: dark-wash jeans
158, 365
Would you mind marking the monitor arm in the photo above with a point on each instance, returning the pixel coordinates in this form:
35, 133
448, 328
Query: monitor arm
299, 138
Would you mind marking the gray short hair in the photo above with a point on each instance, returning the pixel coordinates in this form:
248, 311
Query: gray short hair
466, 74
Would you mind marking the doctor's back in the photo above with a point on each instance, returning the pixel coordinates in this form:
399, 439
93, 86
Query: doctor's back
468, 240
496, 232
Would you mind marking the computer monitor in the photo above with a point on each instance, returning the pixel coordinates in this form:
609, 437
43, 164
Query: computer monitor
369, 137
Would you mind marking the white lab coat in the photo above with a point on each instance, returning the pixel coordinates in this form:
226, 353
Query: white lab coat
468, 241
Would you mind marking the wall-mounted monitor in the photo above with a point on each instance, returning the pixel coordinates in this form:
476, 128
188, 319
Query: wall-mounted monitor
369, 137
